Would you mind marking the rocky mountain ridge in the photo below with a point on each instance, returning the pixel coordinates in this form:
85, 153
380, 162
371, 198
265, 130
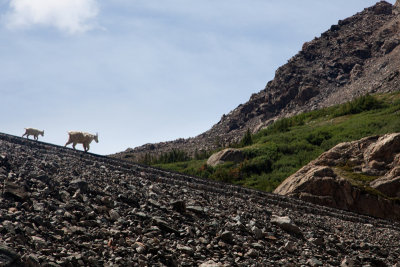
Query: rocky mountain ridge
359, 55
60, 207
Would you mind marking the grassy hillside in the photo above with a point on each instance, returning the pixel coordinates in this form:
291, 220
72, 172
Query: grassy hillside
288, 144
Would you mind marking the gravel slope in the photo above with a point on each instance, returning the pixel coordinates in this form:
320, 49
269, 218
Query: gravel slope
60, 207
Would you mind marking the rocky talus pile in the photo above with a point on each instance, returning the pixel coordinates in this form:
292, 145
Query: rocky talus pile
358, 55
60, 207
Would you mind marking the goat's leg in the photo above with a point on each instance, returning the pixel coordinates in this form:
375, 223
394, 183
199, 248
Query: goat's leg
67, 143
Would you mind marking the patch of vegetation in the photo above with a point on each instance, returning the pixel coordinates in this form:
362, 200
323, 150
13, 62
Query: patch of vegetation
363, 103
284, 147
362, 181
202, 154
247, 139
174, 155
356, 178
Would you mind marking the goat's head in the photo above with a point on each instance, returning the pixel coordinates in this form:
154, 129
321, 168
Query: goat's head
41, 133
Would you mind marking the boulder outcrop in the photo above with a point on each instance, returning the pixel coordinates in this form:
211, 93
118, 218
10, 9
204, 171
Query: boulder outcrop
361, 176
228, 154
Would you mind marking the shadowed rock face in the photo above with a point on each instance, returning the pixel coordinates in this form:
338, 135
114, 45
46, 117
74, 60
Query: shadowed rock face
359, 55
80, 209
361, 176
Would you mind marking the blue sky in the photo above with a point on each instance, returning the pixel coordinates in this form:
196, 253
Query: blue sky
145, 71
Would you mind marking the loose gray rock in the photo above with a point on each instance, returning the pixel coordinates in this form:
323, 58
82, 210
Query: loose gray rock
15, 191
8, 257
114, 215
227, 236
314, 262
179, 206
258, 234
79, 184
286, 224
252, 253
211, 263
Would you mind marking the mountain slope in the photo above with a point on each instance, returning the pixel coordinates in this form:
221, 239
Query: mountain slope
60, 207
359, 55
278, 151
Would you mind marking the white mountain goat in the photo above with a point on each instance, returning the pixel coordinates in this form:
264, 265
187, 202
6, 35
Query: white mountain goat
34, 132
81, 138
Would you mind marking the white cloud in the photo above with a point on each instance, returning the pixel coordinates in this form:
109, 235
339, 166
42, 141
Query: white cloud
71, 16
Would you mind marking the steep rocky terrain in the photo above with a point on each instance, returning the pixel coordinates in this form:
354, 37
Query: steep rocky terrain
60, 207
361, 176
359, 55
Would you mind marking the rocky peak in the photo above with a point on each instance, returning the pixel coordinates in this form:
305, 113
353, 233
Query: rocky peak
359, 55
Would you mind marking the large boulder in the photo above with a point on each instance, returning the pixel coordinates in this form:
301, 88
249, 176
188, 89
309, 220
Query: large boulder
361, 176
389, 184
381, 154
228, 154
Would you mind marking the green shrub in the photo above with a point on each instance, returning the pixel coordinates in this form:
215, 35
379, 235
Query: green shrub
226, 172
269, 149
247, 139
317, 137
147, 159
173, 156
294, 146
363, 103
256, 165
281, 125
202, 154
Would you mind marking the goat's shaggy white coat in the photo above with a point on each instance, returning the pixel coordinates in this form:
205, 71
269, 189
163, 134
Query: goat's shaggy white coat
34, 132
81, 138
